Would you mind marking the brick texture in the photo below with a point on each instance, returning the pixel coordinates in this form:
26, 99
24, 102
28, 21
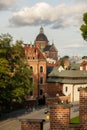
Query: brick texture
83, 109
33, 124
59, 117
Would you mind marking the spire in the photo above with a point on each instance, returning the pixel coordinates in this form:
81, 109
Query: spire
41, 30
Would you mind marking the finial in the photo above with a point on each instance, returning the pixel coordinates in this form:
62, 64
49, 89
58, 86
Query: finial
41, 30
52, 42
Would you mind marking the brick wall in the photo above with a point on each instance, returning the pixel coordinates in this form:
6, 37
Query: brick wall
83, 108
53, 89
32, 124
59, 117
56, 100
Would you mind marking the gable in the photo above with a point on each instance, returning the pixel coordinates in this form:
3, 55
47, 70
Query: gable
53, 48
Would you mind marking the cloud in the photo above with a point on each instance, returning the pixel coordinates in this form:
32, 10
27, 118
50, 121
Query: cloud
6, 4
60, 16
75, 46
82, 1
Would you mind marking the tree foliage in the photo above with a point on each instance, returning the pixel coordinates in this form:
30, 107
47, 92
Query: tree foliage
62, 59
14, 73
5, 40
84, 57
83, 27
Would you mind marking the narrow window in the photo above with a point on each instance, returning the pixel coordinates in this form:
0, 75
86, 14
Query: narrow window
31, 68
41, 69
66, 89
41, 80
28, 57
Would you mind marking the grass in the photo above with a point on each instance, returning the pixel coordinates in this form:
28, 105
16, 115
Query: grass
75, 120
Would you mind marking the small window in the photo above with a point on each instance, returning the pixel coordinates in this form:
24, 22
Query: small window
41, 80
41, 69
66, 89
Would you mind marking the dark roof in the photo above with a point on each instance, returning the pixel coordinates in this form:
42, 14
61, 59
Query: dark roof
47, 48
41, 36
75, 66
67, 80
49, 69
67, 76
68, 73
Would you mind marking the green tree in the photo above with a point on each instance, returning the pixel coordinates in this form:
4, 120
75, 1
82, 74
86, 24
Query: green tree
83, 27
5, 73
14, 73
62, 59
21, 74
84, 57
5, 40
4, 79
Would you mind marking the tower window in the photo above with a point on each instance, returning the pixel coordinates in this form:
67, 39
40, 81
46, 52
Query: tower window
41, 80
31, 68
41, 68
28, 57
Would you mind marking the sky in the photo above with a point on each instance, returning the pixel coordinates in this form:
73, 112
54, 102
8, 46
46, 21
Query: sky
61, 20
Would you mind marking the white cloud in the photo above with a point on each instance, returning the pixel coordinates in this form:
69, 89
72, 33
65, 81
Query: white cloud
42, 13
5, 4
82, 1
75, 46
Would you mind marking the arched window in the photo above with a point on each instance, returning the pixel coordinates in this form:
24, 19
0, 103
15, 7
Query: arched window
41, 69
28, 57
31, 68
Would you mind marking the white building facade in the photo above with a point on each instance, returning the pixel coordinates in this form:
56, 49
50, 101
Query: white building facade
70, 81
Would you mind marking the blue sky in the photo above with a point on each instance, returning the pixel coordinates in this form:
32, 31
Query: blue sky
61, 20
